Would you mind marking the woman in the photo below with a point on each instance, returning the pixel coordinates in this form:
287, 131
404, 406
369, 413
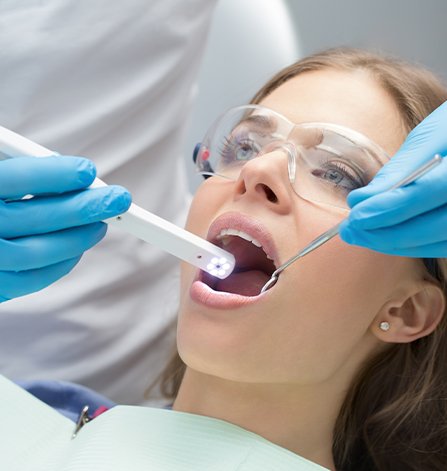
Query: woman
343, 361
311, 365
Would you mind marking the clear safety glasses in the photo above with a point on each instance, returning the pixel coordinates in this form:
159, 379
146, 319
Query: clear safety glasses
325, 161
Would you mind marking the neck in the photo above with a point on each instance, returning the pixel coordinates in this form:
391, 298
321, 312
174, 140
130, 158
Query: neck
298, 418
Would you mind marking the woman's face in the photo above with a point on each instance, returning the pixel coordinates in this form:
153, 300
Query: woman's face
319, 319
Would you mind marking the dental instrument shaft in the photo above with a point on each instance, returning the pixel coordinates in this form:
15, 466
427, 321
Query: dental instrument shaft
333, 231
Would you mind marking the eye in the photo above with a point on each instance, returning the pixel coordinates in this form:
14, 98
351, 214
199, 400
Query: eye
239, 149
245, 150
333, 175
339, 174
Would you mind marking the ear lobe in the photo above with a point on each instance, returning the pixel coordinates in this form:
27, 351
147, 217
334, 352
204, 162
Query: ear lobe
412, 318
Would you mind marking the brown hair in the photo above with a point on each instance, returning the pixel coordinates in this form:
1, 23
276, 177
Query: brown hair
394, 416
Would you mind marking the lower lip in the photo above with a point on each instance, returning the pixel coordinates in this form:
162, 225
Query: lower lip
203, 294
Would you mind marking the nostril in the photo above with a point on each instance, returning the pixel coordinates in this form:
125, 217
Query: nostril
268, 192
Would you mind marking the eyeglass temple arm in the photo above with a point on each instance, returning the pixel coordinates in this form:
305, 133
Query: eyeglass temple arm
208, 170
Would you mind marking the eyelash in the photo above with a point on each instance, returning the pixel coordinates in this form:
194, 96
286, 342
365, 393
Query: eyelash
228, 146
227, 152
346, 170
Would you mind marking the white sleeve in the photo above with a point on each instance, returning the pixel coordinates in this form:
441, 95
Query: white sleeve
111, 81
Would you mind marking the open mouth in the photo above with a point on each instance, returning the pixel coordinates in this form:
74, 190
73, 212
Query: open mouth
253, 266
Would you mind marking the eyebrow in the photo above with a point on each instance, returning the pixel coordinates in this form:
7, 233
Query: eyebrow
369, 150
366, 145
267, 123
341, 155
264, 123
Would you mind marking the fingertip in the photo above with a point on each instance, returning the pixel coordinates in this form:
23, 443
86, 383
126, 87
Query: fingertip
67, 266
99, 204
43, 277
88, 235
92, 234
86, 171
123, 198
346, 233
101, 230
360, 238
357, 196
359, 217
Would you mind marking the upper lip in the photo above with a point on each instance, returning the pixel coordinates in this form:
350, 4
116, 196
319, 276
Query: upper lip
241, 222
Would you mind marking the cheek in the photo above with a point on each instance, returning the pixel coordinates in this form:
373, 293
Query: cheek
337, 283
344, 283
318, 321
202, 208
336, 273
326, 303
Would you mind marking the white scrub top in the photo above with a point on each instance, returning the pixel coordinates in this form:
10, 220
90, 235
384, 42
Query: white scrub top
112, 81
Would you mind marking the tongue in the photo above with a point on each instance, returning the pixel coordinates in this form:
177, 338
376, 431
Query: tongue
247, 283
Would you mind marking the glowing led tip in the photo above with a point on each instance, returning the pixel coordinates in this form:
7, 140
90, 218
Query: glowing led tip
218, 267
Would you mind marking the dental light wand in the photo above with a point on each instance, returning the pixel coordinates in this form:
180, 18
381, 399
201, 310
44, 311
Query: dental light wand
136, 220
333, 231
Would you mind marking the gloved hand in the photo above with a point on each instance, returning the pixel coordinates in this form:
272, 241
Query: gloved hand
412, 220
43, 238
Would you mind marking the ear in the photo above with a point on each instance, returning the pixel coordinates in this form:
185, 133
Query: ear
414, 315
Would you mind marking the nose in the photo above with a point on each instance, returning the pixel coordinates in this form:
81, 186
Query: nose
265, 179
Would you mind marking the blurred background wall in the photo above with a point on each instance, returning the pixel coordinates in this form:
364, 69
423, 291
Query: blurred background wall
252, 39
413, 29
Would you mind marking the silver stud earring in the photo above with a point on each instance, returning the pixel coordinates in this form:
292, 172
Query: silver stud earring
384, 326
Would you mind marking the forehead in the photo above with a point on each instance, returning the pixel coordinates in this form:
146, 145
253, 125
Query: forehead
351, 99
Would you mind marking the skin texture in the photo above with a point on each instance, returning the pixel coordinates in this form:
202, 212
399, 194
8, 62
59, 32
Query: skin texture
280, 367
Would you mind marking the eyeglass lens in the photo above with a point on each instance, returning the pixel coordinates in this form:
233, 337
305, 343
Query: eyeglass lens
324, 165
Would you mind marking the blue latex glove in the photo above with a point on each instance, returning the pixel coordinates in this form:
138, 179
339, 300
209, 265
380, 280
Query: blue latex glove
43, 238
409, 221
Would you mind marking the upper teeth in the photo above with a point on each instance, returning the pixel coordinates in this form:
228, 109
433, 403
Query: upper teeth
234, 232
